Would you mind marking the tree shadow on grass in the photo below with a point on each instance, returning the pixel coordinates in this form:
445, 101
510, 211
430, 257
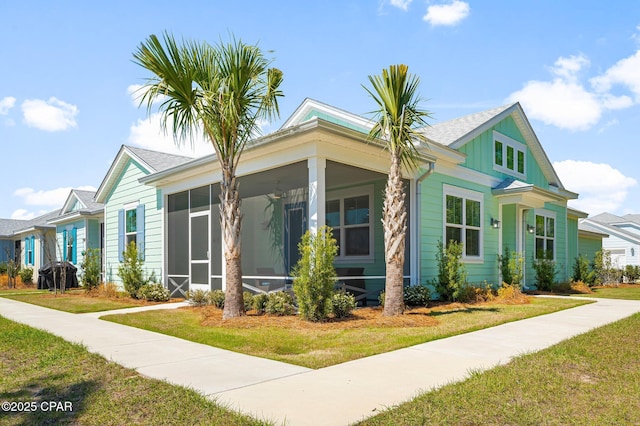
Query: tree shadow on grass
466, 310
49, 405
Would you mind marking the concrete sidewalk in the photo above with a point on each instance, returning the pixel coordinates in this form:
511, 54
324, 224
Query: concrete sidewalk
337, 395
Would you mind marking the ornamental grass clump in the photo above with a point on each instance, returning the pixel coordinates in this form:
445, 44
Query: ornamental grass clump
314, 275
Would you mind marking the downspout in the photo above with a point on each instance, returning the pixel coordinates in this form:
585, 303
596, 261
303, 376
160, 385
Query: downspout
418, 221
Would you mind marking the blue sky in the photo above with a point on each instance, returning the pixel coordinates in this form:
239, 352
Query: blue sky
66, 78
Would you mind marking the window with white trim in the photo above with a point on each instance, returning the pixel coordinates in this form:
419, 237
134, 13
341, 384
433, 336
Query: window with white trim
463, 220
509, 155
545, 235
130, 229
349, 214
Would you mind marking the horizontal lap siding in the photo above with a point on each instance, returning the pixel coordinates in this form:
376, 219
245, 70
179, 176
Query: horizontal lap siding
127, 190
432, 229
589, 246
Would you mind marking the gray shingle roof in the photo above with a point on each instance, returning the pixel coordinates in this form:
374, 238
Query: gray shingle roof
635, 218
159, 161
607, 218
86, 198
8, 227
448, 132
584, 226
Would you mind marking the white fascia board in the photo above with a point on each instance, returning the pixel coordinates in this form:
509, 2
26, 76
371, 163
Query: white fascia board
613, 231
310, 104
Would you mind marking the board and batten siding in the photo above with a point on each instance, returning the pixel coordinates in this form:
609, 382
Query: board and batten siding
480, 151
128, 191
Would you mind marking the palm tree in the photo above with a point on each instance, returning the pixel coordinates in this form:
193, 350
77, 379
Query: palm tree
222, 92
397, 118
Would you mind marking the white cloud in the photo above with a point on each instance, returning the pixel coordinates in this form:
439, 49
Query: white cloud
624, 73
52, 115
22, 214
149, 134
559, 103
602, 188
6, 104
401, 4
52, 197
447, 14
133, 90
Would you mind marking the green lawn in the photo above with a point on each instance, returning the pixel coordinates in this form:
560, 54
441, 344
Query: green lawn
591, 379
319, 346
38, 367
74, 302
624, 292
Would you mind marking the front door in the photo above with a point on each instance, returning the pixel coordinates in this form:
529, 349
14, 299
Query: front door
199, 248
295, 217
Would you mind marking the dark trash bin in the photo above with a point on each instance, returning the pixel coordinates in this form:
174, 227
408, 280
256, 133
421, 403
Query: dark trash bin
45, 276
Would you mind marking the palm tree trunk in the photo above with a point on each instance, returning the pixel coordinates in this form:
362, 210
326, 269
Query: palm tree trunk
230, 220
394, 223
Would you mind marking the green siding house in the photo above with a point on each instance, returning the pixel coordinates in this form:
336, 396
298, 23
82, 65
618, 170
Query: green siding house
133, 211
483, 180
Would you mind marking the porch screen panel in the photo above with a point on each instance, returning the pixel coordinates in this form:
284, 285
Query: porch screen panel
199, 199
178, 234
216, 239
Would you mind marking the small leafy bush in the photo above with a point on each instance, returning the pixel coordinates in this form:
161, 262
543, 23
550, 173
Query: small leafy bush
632, 273
91, 267
259, 302
248, 300
3, 268
511, 267
452, 276
381, 298
545, 273
130, 270
216, 298
604, 269
476, 293
582, 271
279, 303
154, 293
417, 295
314, 275
508, 293
26, 275
342, 303
198, 297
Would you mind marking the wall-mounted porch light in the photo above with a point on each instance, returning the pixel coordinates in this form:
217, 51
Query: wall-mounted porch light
531, 229
495, 224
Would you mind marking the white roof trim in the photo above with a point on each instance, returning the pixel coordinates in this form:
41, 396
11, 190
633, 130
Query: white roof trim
116, 168
309, 105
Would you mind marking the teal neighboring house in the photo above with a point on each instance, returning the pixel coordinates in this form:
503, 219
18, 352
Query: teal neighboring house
133, 212
79, 226
483, 180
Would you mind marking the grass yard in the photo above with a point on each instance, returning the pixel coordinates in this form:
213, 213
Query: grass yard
38, 367
313, 345
591, 379
623, 291
75, 302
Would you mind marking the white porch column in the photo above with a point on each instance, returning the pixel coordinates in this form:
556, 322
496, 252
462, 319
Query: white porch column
317, 191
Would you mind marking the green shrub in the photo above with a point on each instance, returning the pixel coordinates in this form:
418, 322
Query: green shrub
451, 272
279, 303
545, 273
248, 300
342, 303
631, 273
26, 275
198, 297
314, 275
381, 298
511, 267
216, 298
582, 271
154, 293
91, 269
260, 302
3, 268
417, 295
130, 270
605, 272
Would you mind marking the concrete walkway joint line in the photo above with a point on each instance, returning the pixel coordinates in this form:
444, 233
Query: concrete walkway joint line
335, 395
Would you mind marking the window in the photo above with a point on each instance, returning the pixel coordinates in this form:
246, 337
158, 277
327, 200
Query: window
545, 236
349, 216
131, 228
463, 220
509, 155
